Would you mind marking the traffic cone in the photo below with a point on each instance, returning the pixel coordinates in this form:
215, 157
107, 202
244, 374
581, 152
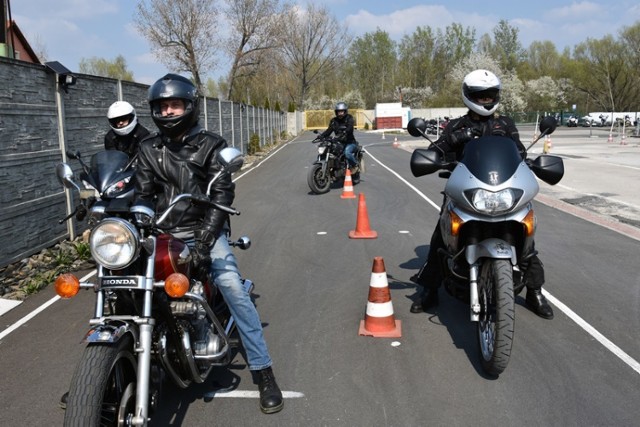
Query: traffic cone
382, 134
347, 189
610, 139
396, 144
362, 231
378, 319
547, 145
623, 140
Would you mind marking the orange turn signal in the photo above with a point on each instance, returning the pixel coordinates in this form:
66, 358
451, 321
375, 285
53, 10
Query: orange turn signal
456, 223
176, 285
67, 285
529, 223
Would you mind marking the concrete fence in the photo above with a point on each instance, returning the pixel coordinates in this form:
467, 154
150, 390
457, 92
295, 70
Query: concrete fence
40, 120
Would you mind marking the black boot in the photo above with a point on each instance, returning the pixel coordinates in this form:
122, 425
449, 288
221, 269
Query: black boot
429, 299
63, 400
270, 395
538, 303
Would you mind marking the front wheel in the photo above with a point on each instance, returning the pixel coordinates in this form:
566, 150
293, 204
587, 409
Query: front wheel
496, 326
102, 391
318, 181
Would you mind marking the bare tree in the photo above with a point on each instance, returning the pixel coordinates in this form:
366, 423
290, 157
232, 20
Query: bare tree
314, 44
182, 34
256, 29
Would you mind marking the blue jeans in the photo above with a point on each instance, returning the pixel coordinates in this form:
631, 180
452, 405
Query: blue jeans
226, 275
349, 149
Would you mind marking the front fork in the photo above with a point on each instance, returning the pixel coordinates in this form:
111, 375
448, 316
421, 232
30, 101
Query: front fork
489, 248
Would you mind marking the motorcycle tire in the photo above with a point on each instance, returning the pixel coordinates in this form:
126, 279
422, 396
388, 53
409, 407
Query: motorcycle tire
318, 182
496, 326
102, 390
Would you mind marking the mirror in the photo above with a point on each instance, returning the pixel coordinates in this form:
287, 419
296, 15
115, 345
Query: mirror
548, 125
64, 173
416, 126
231, 159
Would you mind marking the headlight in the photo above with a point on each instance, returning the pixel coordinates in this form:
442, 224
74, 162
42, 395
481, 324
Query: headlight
114, 243
322, 149
117, 188
491, 203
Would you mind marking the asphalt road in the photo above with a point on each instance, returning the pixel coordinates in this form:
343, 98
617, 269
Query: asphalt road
579, 369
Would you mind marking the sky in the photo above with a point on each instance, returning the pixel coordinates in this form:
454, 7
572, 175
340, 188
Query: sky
71, 30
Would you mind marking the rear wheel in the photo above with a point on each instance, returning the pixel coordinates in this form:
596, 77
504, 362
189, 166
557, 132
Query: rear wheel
497, 316
102, 391
318, 181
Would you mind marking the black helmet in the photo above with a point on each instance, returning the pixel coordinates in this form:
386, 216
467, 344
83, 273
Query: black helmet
341, 106
174, 86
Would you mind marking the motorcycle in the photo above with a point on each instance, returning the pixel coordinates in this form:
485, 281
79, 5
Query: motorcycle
331, 164
108, 176
488, 226
154, 318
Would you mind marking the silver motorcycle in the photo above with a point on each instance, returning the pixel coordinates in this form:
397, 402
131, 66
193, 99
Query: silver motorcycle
488, 226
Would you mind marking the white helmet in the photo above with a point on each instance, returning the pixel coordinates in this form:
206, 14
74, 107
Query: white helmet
117, 111
481, 84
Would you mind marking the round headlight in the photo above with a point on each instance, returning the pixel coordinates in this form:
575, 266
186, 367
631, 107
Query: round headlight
114, 243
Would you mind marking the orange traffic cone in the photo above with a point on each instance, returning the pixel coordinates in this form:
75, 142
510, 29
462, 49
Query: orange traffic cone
396, 144
362, 231
347, 189
610, 139
378, 319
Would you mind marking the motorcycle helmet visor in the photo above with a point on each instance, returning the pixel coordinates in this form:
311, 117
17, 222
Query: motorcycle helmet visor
122, 121
487, 96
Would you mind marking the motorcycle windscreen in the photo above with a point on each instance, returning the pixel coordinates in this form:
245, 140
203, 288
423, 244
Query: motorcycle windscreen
491, 159
106, 167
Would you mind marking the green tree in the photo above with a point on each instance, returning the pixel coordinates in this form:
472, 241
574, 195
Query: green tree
116, 69
372, 64
415, 55
507, 49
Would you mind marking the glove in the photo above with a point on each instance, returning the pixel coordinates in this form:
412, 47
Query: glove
200, 258
461, 137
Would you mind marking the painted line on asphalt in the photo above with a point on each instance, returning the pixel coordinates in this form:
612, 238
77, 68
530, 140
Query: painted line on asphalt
609, 345
249, 394
7, 304
35, 312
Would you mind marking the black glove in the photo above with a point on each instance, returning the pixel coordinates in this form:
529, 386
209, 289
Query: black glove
461, 137
200, 256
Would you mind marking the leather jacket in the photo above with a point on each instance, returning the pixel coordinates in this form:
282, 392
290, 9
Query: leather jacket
167, 168
472, 124
127, 143
342, 129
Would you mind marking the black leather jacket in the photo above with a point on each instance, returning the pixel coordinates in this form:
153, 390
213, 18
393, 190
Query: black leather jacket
342, 129
167, 168
452, 141
127, 143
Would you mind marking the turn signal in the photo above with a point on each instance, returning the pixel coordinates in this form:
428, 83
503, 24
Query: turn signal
456, 223
67, 285
529, 223
176, 285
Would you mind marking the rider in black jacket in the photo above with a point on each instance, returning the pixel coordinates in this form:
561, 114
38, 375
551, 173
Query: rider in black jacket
182, 159
342, 126
125, 133
481, 93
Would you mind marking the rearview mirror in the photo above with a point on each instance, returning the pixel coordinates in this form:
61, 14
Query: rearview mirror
548, 125
64, 173
231, 159
416, 126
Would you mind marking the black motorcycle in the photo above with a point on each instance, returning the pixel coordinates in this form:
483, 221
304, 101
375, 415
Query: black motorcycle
331, 164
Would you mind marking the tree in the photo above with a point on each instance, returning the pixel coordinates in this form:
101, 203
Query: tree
415, 55
182, 34
507, 50
116, 69
314, 44
372, 64
453, 46
257, 28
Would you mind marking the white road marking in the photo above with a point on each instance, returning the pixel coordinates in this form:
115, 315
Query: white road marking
631, 362
249, 394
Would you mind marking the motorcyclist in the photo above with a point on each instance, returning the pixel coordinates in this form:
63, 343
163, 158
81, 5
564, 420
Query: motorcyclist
182, 159
481, 94
125, 133
342, 126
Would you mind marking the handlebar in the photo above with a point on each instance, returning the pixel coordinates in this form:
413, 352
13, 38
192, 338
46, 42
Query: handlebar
196, 199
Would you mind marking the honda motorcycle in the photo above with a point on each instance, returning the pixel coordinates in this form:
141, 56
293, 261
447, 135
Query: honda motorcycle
488, 226
154, 317
331, 164
108, 176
